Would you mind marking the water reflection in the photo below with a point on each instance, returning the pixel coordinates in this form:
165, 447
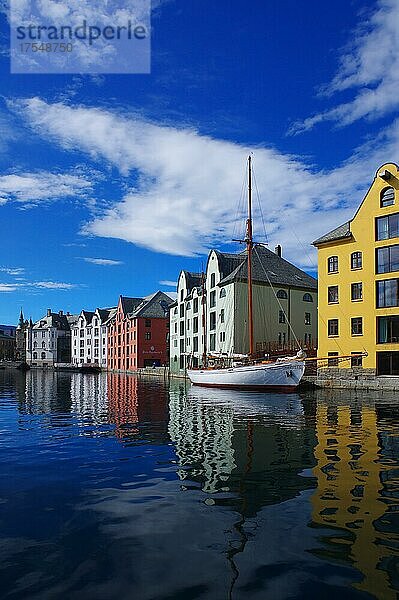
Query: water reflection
358, 488
114, 486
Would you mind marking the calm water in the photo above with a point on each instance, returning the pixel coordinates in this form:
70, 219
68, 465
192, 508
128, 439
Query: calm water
117, 488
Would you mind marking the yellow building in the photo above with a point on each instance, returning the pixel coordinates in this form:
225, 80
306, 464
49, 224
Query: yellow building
358, 265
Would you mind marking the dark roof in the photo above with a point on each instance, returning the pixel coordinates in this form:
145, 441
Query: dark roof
193, 280
129, 305
339, 233
88, 314
154, 307
105, 313
228, 262
53, 320
278, 270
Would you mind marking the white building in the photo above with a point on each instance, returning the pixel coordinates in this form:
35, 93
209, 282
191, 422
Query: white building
284, 307
48, 341
90, 337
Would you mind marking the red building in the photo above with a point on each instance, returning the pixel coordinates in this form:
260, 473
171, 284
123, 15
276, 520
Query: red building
138, 335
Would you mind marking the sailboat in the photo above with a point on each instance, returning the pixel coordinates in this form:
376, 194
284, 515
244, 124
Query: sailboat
244, 372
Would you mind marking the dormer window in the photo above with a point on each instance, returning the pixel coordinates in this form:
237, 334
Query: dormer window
282, 294
387, 197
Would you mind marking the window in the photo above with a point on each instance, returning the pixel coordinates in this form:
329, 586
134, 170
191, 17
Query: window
387, 227
96, 343
148, 335
387, 197
213, 280
212, 320
333, 294
356, 291
388, 330
43, 344
333, 362
212, 299
332, 264
187, 341
181, 295
195, 325
96, 331
43, 334
148, 322
195, 344
175, 327
175, 343
43, 355
35, 334
212, 342
356, 260
279, 338
175, 311
222, 336
181, 327
35, 355
182, 310
82, 353
281, 316
35, 344
357, 326
195, 305
387, 293
387, 259
188, 324
307, 318
222, 293
333, 327
188, 306
222, 315
82, 333
282, 294
307, 298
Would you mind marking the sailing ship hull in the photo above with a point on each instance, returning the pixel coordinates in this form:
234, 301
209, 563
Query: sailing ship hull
284, 377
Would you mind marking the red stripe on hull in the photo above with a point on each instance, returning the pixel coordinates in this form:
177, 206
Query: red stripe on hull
250, 388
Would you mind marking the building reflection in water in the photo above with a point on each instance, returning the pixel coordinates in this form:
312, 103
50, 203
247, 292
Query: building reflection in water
252, 445
138, 408
357, 489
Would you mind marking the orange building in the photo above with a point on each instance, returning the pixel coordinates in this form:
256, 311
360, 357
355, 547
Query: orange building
138, 334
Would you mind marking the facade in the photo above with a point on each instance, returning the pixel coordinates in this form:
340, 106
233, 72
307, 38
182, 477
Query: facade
359, 282
138, 333
48, 341
284, 308
90, 337
7, 346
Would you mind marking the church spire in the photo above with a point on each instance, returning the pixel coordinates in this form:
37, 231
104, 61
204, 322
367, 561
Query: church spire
21, 319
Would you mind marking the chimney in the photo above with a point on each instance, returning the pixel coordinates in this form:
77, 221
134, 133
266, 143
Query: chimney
49, 312
278, 250
68, 314
61, 313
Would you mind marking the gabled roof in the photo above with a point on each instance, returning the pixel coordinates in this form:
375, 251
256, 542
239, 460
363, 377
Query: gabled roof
129, 305
193, 279
153, 307
228, 262
105, 313
53, 320
268, 266
339, 233
88, 315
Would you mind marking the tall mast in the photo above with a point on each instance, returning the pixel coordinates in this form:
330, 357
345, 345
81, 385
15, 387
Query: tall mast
249, 243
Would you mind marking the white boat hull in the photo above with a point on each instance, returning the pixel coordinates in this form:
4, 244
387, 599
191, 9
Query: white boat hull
280, 376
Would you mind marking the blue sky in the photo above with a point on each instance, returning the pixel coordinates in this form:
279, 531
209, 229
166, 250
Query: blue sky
112, 184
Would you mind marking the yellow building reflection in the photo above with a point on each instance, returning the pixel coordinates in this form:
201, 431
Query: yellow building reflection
349, 495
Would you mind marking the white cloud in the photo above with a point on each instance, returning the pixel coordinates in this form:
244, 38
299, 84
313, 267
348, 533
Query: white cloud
42, 186
103, 261
370, 66
7, 287
168, 283
40, 285
184, 187
52, 285
13, 271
